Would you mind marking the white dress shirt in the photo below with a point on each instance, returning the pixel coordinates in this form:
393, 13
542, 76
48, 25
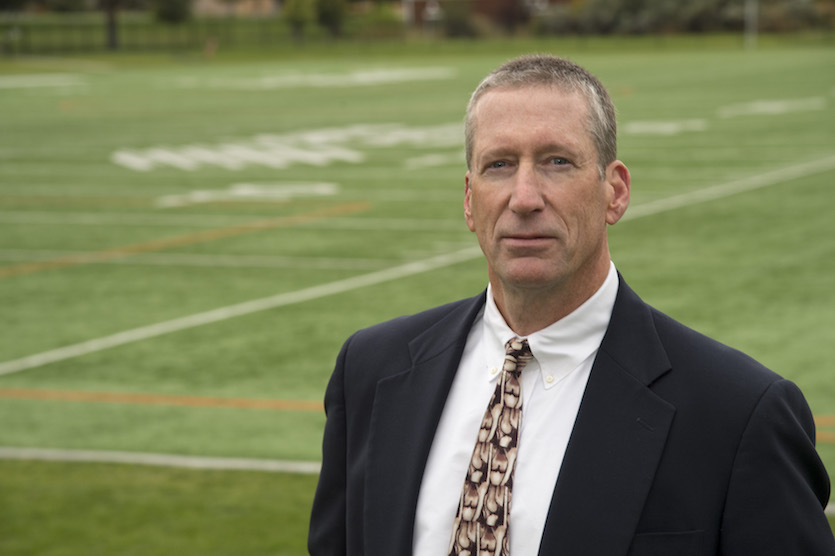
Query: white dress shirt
552, 388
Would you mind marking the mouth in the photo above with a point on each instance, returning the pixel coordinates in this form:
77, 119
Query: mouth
527, 240
528, 235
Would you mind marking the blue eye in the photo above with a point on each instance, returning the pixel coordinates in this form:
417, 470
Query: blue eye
498, 164
557, 161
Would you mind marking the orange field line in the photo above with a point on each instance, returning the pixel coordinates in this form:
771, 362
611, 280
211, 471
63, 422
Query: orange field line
826, 436
234, 403
823, 435
158, 399
182, 240
825, 421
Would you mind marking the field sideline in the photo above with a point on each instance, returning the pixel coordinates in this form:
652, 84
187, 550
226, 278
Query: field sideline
176, 230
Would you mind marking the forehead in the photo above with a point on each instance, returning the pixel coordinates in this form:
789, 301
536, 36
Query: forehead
540, 111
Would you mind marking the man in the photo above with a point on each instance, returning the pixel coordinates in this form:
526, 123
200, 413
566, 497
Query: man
611, 430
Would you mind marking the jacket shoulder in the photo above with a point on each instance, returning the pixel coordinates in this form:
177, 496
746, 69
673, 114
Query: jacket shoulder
388, 347
689, 348
404, 328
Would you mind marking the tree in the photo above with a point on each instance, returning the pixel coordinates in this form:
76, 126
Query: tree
111, 7
330, 14
299, 14
66, 5
172, 11
11, 5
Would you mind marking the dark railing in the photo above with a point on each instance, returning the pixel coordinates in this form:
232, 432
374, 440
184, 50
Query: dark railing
53, 35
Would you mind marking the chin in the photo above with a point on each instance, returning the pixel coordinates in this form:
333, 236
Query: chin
530, 276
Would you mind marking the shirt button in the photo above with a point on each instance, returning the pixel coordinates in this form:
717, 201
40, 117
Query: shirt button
494, 370
549, 379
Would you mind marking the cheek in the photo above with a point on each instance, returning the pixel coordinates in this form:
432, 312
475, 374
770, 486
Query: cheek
474, 208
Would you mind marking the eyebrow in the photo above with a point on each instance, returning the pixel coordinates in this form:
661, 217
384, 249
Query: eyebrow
550, 148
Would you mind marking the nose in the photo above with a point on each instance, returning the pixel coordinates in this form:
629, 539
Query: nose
527, 193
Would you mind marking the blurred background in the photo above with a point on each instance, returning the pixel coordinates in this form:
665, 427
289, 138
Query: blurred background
201, 200
62, 26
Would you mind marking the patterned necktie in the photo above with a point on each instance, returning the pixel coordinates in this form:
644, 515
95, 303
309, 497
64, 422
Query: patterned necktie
481, 524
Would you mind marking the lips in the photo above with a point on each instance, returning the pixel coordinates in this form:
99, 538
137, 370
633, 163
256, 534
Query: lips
527, 241
527, 236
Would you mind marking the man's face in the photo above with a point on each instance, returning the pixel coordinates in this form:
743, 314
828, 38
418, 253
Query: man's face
534, 195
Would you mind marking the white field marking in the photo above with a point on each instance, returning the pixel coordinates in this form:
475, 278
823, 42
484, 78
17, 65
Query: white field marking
386, 275
772, 107
172, 158
360, 78
143, 161
320, 147
33, 80
240, 309
200, 260
408, 196
384, 195
435, 159
205, 155
78, 64
136, 162
664, 127
445, 135
200, 221
731, 188
163, 460
251, 192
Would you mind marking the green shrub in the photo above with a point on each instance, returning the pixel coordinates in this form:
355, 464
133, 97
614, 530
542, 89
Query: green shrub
172, 11
457, 20
378, 22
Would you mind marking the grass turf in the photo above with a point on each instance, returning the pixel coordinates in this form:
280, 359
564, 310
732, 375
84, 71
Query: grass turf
752, 270
55, 509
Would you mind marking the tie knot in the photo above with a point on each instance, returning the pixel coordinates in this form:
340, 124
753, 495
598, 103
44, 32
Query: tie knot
517, 355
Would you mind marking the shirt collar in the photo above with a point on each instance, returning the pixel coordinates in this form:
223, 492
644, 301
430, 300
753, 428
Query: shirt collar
559, 348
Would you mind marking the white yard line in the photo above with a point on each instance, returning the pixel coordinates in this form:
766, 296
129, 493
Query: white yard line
33, 80
240, 309
732, 188
166, 460
402, 271
357, 78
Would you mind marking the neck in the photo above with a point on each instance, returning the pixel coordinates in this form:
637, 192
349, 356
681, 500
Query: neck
529, 309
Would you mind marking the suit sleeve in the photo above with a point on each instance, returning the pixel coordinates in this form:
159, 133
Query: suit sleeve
327, 533
778, 486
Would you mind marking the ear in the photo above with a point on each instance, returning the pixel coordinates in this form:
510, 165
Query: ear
618, 184
468, 198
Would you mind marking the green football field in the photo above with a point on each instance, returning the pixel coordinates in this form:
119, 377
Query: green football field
185, 243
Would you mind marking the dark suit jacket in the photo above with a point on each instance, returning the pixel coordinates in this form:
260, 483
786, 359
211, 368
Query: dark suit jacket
682, 446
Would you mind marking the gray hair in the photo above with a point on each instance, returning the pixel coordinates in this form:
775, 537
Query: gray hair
546, 70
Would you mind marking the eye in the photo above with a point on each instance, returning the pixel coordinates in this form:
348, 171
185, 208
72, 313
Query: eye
559, 161
496, 167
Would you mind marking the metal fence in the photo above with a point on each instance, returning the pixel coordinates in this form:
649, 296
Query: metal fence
19, 35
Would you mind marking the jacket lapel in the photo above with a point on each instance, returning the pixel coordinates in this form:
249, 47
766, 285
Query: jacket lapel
617, 441
406, 412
